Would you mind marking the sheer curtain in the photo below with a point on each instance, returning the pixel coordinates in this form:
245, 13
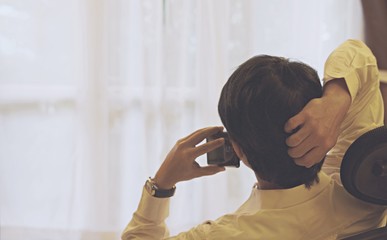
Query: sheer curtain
94, 93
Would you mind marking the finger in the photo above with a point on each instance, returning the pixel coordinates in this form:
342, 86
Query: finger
207, 147
198, 136
298, 137
294, 122
311, 158
208, 170
306, 145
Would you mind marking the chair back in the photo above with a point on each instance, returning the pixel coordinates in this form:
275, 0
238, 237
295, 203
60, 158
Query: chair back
363, 173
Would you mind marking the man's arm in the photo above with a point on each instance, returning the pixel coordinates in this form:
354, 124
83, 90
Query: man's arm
148, 221
350, 69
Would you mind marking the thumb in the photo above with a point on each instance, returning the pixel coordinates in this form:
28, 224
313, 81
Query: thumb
209, 170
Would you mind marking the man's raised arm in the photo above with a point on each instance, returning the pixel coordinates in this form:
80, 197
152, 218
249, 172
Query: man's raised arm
351, 77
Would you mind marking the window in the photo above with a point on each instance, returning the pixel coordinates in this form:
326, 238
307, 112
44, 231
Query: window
93, 94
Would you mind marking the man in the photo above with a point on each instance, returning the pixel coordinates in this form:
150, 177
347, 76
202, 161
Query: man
288, 201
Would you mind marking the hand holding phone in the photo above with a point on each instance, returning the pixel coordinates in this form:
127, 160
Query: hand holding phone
222, 156
180, 165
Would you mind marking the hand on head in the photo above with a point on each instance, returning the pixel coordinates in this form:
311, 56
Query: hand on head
318, 124
315, 136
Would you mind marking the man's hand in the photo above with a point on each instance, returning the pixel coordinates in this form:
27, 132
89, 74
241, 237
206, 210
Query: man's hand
319, 124
180, 164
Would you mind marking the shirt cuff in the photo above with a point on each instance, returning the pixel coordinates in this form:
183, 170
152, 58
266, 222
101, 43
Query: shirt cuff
152, 208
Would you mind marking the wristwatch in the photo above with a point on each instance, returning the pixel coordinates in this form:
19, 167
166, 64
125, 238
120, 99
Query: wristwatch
155, 191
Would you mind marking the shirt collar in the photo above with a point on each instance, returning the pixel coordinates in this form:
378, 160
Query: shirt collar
283, 198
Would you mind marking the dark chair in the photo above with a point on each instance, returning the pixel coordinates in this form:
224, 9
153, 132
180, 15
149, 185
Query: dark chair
364, 174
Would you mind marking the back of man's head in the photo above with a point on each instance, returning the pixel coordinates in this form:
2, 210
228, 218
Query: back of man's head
255, 103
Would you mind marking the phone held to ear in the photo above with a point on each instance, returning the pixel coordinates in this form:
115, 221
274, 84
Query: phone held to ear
223, 156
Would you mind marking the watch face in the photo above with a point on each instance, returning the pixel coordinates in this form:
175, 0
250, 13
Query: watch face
150, 187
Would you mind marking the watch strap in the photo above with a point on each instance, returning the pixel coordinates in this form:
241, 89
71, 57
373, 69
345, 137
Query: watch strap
155, 191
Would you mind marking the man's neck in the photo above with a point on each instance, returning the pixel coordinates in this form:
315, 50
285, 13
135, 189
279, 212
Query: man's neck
265, 185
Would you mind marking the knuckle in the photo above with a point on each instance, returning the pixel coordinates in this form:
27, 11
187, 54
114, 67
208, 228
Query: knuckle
294, 153
291, 153
291, 124
181, 142
296, 140
315, 124
308, 114
211, 144
292, 141
320, 134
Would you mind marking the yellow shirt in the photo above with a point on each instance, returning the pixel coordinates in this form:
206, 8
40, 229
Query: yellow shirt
326, 211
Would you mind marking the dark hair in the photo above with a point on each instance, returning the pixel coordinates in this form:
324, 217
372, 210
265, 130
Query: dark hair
255, 103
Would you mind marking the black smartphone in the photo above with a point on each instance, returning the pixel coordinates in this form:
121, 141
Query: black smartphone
222, 156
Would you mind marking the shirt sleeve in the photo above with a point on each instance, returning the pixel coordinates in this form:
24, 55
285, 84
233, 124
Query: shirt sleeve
354, 62
148, 221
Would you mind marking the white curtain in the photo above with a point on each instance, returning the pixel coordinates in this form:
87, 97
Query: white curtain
94, 93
